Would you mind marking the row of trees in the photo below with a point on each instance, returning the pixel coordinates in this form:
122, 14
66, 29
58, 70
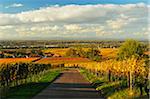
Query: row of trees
91, 53
20, 53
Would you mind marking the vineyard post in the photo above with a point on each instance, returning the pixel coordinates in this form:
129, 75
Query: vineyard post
131, 82
7, 81
109, 75
131, 76
99, 73
95, 72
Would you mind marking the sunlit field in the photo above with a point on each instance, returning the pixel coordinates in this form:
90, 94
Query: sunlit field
109, 52
16, 60
59, 51
105, 52
60, 60
147, 52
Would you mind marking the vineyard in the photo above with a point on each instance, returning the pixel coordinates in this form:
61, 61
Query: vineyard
130, 74
17, 73
14, 60
14, 74
116, 72
62, 60
133, 76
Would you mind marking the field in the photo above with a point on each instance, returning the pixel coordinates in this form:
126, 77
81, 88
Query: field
109, 52
62, 60
147, 52
14, 60
105, 52
59, 51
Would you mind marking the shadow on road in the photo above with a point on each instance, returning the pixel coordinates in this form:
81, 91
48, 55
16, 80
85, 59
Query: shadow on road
70, 85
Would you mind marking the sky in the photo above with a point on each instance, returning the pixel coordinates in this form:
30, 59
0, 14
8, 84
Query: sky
74, 19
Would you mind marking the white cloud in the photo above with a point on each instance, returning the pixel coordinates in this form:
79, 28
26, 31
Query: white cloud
15, 5
116, 24
72, 27
71, 13
119, 23
86, 20
6, 27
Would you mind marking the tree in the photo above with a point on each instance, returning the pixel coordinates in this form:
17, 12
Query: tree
1, 54
93, 54
72, 53
131, 48
33, 51
81, 52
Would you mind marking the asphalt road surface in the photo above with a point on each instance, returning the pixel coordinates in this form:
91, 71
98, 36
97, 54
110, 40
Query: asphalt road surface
69, 85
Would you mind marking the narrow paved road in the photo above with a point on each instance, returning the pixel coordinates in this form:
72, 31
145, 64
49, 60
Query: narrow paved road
70, 85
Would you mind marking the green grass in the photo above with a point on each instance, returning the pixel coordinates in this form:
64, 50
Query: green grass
87, 75
27, 91
101, 84
127, 94
109, 88
114, 89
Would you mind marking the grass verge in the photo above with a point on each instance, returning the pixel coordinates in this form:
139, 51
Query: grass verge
126, 94
27, 91
114, 89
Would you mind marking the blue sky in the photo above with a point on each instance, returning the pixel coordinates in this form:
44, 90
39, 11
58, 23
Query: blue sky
49, 19
36, 4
